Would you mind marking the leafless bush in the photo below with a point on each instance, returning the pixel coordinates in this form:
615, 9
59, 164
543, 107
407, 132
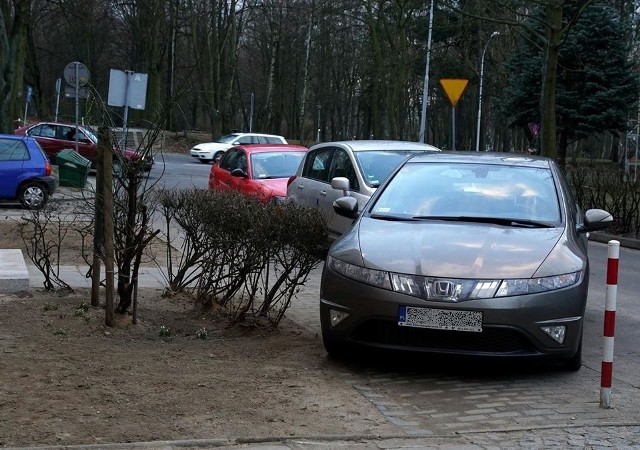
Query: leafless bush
43, 232
607, 188
239, 253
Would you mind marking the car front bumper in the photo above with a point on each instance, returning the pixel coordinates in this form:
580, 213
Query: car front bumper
201, 154
511, 326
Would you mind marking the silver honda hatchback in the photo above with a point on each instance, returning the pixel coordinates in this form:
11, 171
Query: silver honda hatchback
463, 253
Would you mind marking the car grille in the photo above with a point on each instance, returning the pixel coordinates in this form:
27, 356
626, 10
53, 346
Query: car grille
490, 340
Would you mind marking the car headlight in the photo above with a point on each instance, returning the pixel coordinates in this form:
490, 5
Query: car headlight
448, 289
377, 278
277, 200
533, 285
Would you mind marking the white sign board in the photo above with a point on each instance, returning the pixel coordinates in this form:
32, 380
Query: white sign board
127, 89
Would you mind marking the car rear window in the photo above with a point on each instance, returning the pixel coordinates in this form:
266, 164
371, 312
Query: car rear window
13, 150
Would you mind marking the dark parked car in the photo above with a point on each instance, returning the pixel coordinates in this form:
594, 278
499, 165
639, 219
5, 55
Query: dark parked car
53, 137
25, 172
469, 254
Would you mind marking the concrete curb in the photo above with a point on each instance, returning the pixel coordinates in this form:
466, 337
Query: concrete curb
624, 241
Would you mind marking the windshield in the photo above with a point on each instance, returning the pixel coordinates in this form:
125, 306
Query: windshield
275, 164
376, 165
470, 192
89, 134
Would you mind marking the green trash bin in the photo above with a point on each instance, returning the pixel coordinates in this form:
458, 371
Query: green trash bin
73, 168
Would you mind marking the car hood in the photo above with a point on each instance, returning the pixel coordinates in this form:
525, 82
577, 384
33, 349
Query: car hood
459, 250
274, 187
212, 146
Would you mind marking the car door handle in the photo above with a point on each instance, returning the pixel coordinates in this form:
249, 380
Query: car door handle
300, 187
323, 193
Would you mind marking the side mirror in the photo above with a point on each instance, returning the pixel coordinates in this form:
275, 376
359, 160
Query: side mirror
238, 173
341, 184
346, 207
596, 219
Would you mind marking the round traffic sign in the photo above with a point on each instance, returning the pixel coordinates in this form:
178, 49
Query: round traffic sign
70, 73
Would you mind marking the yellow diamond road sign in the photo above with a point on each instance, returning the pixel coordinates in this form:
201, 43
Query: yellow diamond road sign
454, 87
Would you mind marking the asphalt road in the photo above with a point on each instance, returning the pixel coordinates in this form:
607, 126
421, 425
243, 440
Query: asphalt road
177, 171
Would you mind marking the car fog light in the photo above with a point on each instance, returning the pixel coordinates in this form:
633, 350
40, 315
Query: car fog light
336, 316
555, 332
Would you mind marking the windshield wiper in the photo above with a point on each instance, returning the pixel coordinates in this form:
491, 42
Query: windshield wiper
393, 217
509, 222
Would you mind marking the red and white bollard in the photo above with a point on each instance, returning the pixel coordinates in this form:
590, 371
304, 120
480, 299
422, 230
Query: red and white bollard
609, 324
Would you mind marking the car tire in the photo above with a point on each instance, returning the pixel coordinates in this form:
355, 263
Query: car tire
574, 363
336, 349
32, 195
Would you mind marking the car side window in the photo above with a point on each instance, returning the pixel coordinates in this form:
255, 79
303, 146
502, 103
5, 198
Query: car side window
44, 130
230, 159
341, 166
246, 140
316, 165
272, 140
234, 159
11, 150
66, 133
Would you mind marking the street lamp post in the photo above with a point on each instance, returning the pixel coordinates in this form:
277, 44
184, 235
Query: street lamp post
495, 33
318, 131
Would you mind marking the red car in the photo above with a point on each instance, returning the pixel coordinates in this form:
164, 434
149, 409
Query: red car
261, 170
53, 137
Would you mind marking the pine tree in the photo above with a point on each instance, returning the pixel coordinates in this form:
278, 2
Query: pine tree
597, 87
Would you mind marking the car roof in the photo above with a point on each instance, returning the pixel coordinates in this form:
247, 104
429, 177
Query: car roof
372, 144
498, 158
15, 137
255, 134
263, 148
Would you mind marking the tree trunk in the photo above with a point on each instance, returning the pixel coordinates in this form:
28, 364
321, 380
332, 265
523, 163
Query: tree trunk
12, 62
548, 143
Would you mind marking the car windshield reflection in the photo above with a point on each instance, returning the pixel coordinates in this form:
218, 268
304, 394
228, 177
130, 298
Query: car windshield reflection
509, 195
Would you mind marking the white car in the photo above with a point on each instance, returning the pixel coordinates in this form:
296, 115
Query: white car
334, 169
207, 152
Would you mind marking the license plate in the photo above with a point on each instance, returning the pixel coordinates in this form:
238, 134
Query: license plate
440, 319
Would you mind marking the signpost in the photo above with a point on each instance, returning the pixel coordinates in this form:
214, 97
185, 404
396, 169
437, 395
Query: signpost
77, 76
453, 87
27, 101
127, 89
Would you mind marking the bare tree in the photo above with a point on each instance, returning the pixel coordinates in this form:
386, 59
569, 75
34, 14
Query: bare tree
15, 19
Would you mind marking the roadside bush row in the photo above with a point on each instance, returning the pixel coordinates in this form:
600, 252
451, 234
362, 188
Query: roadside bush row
249, 257
607, 188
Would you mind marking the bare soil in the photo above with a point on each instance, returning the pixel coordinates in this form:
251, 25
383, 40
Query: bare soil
67, 379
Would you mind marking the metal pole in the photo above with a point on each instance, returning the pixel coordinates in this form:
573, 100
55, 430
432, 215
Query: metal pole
77, 86
635, 161
125, 117
495, 33
606, 374
453, 128
251, 115
318, 134
58, 87
425, 89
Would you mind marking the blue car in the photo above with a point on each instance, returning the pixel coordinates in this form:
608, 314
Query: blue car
25, 172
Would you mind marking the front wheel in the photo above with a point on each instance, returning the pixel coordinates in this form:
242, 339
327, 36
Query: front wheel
336, 350
574, 363
32, 195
